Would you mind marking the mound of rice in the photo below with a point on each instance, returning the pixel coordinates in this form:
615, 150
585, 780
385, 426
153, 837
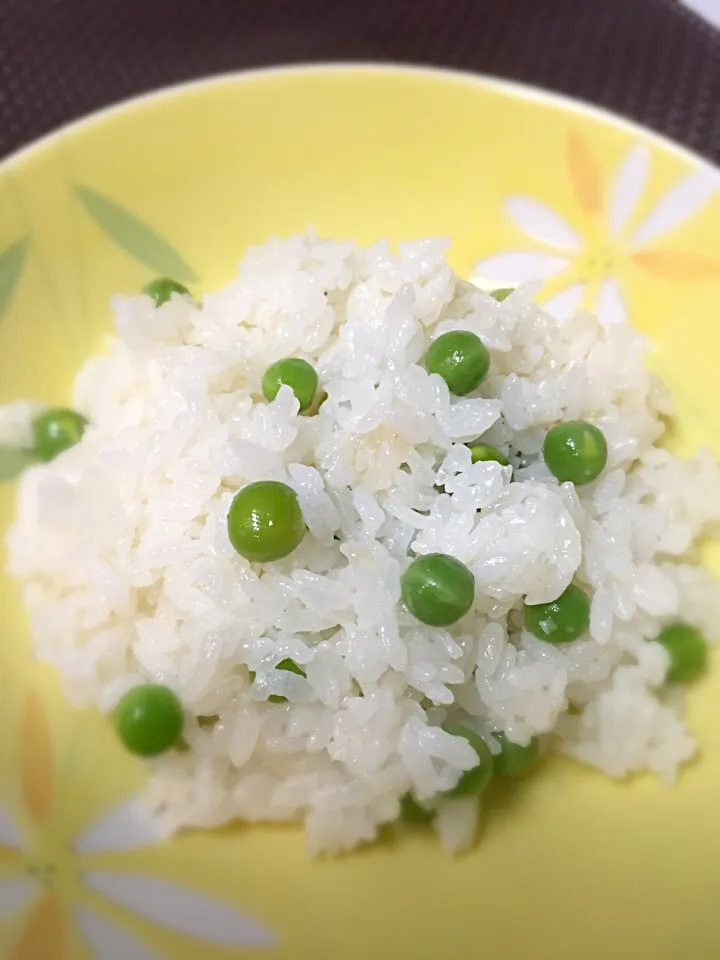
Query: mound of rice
122, 549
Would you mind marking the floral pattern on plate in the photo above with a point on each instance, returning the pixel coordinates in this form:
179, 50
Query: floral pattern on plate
58, 901
584, 270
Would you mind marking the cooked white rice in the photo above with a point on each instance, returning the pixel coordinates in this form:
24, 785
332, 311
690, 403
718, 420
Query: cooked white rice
122, 549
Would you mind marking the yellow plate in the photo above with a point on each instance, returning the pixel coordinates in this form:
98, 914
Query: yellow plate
570, 865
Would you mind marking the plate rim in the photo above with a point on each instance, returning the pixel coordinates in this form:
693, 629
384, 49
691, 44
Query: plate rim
512, 88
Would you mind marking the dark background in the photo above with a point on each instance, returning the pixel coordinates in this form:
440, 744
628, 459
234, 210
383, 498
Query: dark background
648, 59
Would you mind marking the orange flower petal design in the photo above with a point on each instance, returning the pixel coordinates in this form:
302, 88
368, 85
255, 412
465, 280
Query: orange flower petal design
676, 265
43, 935
37, 764
583, 173
10, 861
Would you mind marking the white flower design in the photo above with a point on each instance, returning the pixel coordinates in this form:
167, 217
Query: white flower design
54, 886
50, 883
582, 263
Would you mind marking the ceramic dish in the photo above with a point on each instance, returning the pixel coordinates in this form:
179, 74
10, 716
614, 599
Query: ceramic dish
569, 865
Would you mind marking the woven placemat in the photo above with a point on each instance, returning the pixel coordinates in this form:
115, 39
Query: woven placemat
651, 60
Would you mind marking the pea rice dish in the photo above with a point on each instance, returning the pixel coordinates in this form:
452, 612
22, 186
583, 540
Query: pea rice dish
349, 539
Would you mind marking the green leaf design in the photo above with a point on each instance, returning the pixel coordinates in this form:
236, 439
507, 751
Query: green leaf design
134, 236
12, 262
13, 462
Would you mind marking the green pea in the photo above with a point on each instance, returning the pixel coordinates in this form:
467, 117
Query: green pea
438, 589
294, 373
482, 451
502, 294
149, 719
265, 521
513, 758
562, 620
575, 451
688, 652
56, 430
461, 359
162, 288
472, 782
291, 667
286, 664
412, 812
